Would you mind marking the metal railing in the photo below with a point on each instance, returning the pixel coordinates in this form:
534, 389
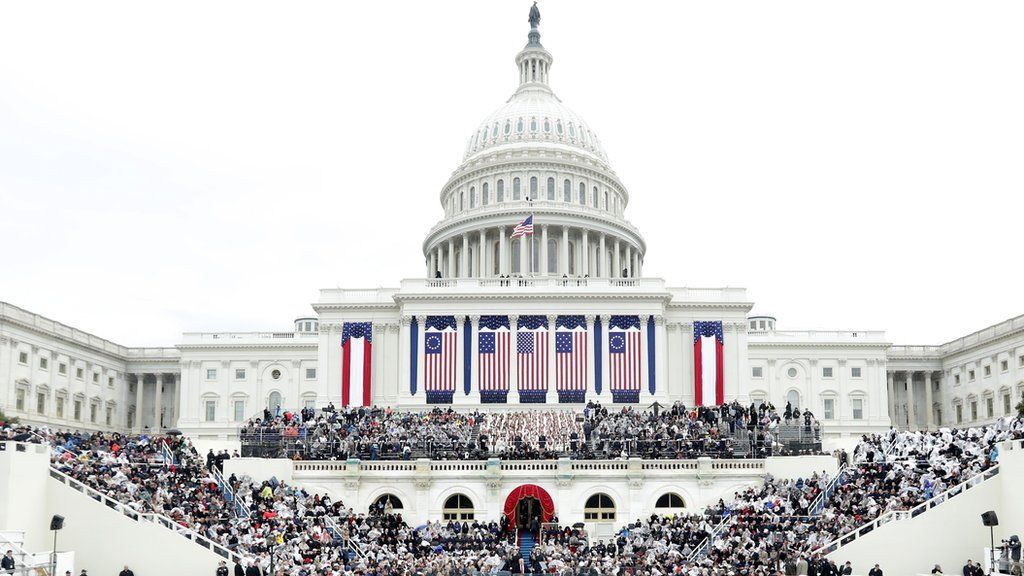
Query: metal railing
896, 515
705, 546
822, 499
335, 531
153, 518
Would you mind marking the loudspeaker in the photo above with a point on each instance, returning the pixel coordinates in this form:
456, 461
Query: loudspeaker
989, 518
57, 522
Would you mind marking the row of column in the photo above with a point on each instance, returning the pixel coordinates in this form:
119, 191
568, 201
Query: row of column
157, 407
453, 258
605, 395
903, 407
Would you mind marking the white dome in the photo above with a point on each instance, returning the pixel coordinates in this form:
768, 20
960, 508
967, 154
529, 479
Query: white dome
535, 115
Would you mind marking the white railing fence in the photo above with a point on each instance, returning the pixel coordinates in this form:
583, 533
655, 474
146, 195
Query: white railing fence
705, 546
896, 515
157, 519
822, 499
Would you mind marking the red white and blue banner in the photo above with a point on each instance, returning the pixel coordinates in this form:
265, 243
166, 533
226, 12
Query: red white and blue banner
532, 359
494, 341
708, 388
356, 356
571, 359
624, 358
440, 359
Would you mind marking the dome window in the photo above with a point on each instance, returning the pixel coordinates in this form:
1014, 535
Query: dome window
572, 130
583, 194
500, 191
472, 197
519, 126
567, 191
551, 188
594, 199
558, 127
533, 124
484, 193
515, 189
508, 127
547, 125
494, 133
533, 187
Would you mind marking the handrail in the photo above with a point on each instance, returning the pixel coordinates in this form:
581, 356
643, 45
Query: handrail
152, 517
165, 450
705, 545
892, 515
332, 526
9, 544
822, 499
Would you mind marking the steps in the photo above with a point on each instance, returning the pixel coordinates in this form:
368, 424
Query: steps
527, 542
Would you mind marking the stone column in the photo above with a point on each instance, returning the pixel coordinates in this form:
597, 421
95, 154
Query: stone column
158, 402
524, 250
543, 264
929, 411
141, 378
502, 252
563, 266
629, 261
482, 271
616, 269
911, 409
585, 260
464, 260
430, 264
602, 265
176, 379
451, 258
891, 388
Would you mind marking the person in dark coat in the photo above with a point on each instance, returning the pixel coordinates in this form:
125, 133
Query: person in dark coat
7, 562
876, 571
126, 572
222, 569
239, 571
252, 570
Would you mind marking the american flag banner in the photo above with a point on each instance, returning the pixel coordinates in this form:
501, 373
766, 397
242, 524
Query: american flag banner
495, 349
356, 355
532, 359
524, 228
624, 358
708, 385
440, 357
571, 359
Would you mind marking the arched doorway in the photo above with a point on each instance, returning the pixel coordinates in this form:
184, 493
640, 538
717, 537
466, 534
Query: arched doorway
386, 504
526, 503
274, 403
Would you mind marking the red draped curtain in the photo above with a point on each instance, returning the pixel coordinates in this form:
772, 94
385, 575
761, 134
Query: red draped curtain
547, 505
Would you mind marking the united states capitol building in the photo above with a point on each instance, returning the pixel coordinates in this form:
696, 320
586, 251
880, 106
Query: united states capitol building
581, 272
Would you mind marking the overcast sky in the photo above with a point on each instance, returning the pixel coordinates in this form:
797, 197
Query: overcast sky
198, 166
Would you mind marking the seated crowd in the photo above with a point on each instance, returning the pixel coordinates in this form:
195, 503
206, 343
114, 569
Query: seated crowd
373, 433
767, 530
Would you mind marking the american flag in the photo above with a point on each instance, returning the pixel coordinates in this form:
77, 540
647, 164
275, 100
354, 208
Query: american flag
439, 367
532, 349
493, 359
524, 228
624, 360
571, 360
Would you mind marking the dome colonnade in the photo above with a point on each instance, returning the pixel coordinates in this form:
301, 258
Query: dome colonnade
534, 156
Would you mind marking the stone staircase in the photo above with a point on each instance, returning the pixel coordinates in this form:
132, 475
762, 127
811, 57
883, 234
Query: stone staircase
527, 542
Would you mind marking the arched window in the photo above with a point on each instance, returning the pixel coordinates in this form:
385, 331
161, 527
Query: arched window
515, 189
472, 196
508, 126
551, 189
458, 507
670, 500
494, 132
594, 199
485, 194
606, 205
462, 201
552, 256
558, 127
572, 130
583, 194
500, 191
533, 124
519, 126
547, 125
533, 187
567, 191
793, 397
515, 257
274, 402
384, 500
599, 508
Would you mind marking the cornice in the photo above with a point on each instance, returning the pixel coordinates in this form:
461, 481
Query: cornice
533, 296
812, 345
499, 166
251, 346
55, 336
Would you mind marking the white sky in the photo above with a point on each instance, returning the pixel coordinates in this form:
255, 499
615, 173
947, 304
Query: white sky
194, 166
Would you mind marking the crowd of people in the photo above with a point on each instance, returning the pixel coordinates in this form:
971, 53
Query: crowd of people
767, 530
373, 433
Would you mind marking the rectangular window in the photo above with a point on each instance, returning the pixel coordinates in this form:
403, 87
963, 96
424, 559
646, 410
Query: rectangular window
1004, 365
211, 373
23, 357
310, 373
830, 408
956, 379
855, 372
970, 375
310, 404
826, 372
96, 377
44, 363
989, 407
93, 408
110, 381
110, 415
60, 407
19, 400
974, 410
211, 410
41, 403
1020, 361
988, 371
62, 368
239, 374
757, 372
959, 413
1006, 404
79, 373
78, 409
858, 408
239, 410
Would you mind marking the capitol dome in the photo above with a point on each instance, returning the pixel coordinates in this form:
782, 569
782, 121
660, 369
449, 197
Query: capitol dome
534, 161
